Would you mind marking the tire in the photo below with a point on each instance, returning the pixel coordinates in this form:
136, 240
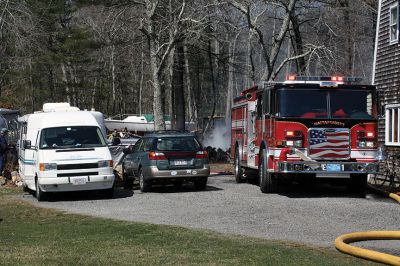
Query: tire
178, 184
127, 182
40, 195
200, 183
238, 169
109, 193
358, 184
25, 188
268, 182
143, 183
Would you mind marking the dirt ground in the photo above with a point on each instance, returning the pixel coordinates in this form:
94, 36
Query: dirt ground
222, 167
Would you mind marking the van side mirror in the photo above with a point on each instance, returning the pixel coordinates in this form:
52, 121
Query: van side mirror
27, 144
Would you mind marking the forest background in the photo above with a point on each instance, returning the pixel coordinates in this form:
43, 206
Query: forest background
184, 58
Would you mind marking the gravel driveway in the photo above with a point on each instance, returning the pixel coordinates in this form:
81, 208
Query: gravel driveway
316, 216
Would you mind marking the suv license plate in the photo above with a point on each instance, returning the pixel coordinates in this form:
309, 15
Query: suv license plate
78, 180
181, 162
333, 168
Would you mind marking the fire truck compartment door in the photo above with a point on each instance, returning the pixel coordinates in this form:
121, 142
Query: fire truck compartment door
251, 146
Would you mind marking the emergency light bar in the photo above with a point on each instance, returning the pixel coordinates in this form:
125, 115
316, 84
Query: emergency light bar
321, 79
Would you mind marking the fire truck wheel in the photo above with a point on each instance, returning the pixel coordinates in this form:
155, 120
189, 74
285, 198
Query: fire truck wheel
268, 182
358, 184
238, 169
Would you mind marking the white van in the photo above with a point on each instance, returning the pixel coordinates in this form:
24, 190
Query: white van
63, 149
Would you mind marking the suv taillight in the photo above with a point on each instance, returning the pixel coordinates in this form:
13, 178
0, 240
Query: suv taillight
201, 154
157, 156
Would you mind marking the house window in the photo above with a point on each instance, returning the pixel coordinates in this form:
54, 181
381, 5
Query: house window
394, 23
392, 132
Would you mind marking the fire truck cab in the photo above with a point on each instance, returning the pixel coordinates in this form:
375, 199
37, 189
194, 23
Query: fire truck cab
306, 128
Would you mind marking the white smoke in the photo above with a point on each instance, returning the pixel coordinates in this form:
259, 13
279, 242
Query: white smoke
218, 137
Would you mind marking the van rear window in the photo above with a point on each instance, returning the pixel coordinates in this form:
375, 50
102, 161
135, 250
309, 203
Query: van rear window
71, 137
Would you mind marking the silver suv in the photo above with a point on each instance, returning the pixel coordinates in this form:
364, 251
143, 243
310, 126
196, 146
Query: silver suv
167, 157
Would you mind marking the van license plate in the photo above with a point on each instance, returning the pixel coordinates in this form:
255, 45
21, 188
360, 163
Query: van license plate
181, 162
78, 180
333, 168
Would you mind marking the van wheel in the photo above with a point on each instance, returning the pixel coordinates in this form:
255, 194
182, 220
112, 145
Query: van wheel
25, 188
238, 169
268, 182
40, 195
109, 193
128, 182
144, 184
200, 183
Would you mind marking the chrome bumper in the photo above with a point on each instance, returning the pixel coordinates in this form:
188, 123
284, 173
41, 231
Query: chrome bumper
61, 184
152, 173
328, 167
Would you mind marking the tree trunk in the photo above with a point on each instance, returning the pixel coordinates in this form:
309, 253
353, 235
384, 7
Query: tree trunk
75, 83
191, 101
32, 87
159, 122
113, 76
171, 91
178, 84
65, 81
214, 89
94, 92
298, 45
229, 95
348, 42
141, 79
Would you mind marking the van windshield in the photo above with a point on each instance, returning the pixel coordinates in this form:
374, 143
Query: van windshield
71, 137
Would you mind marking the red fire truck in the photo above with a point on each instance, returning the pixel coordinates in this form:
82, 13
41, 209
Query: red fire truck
306, 128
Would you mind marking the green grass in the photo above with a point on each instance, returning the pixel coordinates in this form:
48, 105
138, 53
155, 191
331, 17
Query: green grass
35, 236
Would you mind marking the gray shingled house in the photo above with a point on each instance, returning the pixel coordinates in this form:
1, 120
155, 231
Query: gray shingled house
386, 74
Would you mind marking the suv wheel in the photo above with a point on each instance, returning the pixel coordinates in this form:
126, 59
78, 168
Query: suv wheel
128, 182
143, 183
200, 183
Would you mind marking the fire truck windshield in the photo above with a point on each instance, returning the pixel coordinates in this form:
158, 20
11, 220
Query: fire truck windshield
314, 103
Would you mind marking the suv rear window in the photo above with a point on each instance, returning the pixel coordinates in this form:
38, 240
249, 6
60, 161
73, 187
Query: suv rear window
176, 144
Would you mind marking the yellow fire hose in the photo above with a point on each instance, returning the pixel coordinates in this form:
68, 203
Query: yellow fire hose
342, 242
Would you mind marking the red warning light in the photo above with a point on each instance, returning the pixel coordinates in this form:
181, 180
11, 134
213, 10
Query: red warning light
291, 77
337, 78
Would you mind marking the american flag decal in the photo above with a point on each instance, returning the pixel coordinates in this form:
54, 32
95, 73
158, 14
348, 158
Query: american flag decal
329, 143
